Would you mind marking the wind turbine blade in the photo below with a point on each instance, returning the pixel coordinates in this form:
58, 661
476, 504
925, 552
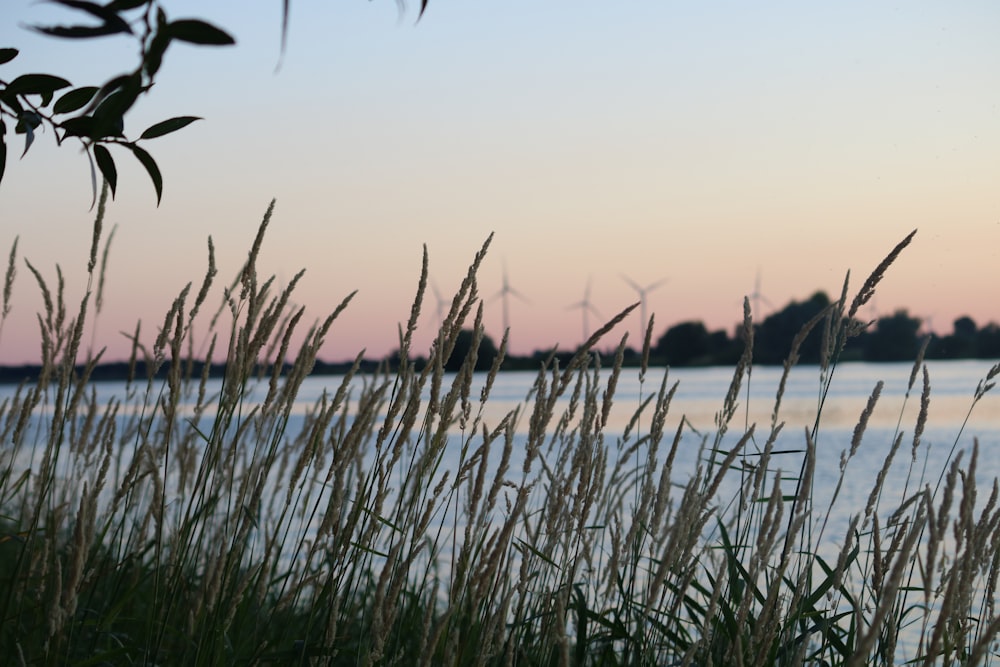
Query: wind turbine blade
634, 285
520, 296
658, 283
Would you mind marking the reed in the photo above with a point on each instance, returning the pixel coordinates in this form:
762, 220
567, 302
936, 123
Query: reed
189, 522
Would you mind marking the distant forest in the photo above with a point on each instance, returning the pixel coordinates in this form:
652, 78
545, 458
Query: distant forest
893, 337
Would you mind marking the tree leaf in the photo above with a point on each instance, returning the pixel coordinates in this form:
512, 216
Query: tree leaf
194, 31
7, 54
285, 9
110, 86
3, 151
93, 179
125, 5
168, 126
27, 119
109, 116
37, 84
74, 99
77, 31
106, 14
121, 100
150, 164
153, 57
11, 102
29, 138
107, 166
78, 126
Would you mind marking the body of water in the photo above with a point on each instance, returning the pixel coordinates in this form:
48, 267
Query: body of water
699, 397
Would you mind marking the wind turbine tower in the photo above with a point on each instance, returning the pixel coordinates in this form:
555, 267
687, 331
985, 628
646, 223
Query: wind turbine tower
586, 307
504, 294
643, 291
756, 297
442, 304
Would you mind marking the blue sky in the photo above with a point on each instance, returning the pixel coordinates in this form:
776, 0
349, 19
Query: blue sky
708, 144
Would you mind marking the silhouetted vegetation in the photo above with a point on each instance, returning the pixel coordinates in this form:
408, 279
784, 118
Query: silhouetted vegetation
894, 337
774, 335
485, 350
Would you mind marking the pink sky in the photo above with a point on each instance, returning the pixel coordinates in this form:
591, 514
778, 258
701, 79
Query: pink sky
701, 145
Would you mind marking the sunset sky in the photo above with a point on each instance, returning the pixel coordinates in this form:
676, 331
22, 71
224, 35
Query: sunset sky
713, 145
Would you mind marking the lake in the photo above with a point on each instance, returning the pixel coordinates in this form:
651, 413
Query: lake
699, 396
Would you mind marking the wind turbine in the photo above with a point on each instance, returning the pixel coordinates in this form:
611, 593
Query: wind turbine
442, 304
756, 297
504, 294
643, 291
587, 307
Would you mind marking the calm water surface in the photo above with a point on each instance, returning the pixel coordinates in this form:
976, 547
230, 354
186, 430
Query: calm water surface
700, 395
701, 391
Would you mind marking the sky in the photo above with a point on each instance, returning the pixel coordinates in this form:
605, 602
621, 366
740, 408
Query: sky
723, 148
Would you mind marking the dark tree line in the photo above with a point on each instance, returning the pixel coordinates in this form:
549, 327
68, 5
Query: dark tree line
894, 337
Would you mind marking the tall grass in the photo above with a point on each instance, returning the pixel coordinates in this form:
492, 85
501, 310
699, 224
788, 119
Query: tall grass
177, 524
